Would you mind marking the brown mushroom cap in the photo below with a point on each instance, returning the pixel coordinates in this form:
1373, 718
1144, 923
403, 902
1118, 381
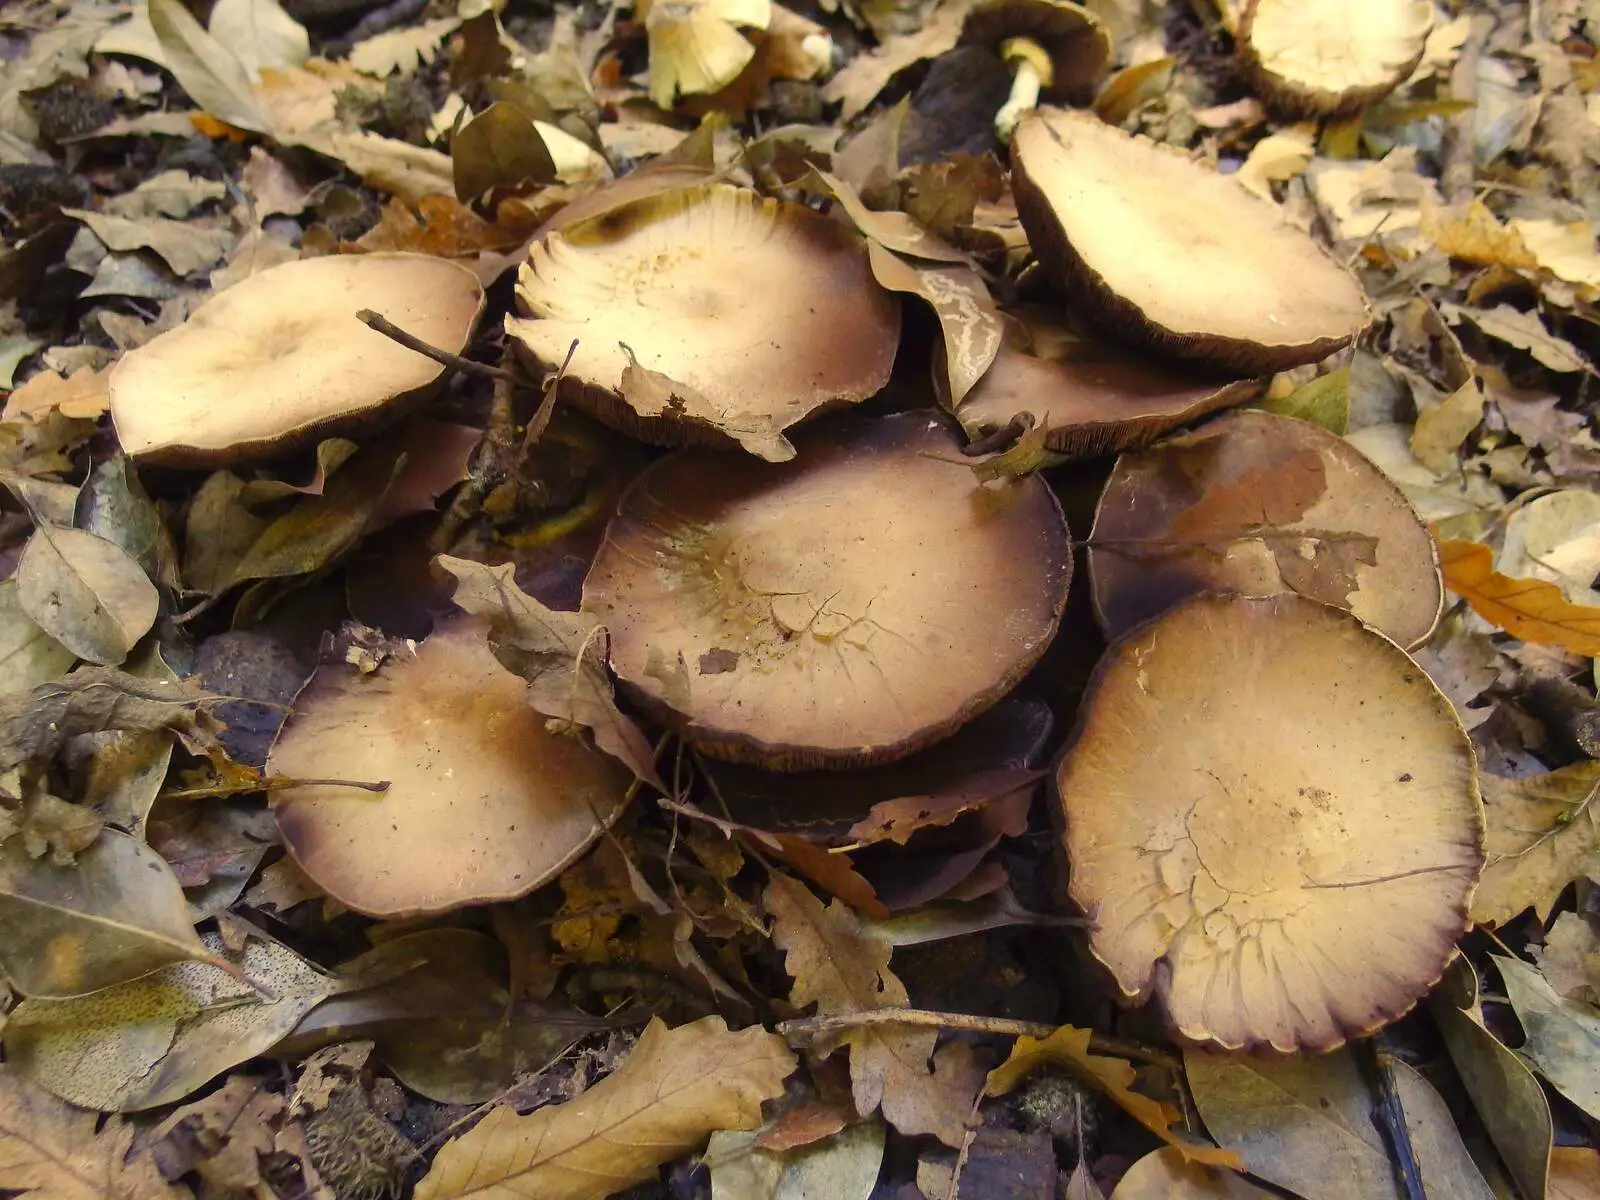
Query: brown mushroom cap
1261, 504
1326, 57
669, 278
1272, 815
1077, 43
842, 609
1168, 253
1092, 403
484, 803
280, 358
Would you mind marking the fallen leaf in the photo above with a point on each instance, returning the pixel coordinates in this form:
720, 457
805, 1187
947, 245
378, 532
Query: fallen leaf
1440, 430
259, 33
401, 51
1574, 1173
498, 148
1473, 234
28, 655
1556, 538
1530, 609
676, 1087
859, 83
52, 1151
113, 504
1542, 832
842, 1166
185, 246
83, 396
1068, 1047
1570, 959
167, 194
1166, 1174
85, 592
1563, 1036
212, 76
1522, 330
1565, 249
224, 1136
1325, 401
1276, 158
969, 322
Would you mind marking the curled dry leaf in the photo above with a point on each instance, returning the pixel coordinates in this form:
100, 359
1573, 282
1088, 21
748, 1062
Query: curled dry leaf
1563, 1036
1530, 609
675, 1088
86, 592
969, 322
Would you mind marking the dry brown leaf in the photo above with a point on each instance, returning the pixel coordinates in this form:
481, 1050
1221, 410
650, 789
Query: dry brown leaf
1570, 959
1530, 609
1068, 1047
1474, 235
674, 1089
841, 968
1574, 1173
865, 76
1541, 833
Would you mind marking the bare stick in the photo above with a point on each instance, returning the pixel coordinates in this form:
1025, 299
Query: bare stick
443, 357
271, 784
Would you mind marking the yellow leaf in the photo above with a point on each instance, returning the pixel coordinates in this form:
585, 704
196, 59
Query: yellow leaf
1530, 609
1541, 833
1069, 1047
1474, 235
674, 1090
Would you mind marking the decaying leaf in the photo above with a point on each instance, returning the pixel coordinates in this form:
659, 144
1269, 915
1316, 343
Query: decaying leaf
1563, 1036
960, 300
1530, 609
1542, 832
1570, 959
86, 592
676, 1087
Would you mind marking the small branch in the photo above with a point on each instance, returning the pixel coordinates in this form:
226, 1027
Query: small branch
444, 358
271, 784
1001, 438
1392, 1120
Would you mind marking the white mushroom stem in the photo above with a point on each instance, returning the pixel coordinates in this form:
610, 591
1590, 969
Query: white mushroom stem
1034, 71
818, 49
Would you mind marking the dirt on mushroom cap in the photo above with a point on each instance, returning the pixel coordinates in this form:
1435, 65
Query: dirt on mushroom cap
1273, 815
1324, 57
843, 609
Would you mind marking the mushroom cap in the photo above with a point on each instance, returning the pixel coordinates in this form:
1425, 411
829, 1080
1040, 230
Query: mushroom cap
842, 609
1198, 500
1272, 815
1170, 254
279, 358
484, 803
1325, 57
695, 45
668, 277
1093, 404
1077, 43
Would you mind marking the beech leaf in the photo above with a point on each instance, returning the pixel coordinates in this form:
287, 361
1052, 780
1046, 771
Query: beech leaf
1530, 609
676, 1088
86, 592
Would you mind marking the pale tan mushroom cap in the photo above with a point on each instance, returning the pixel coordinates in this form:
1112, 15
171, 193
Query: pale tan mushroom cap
1325, 56
844, 608
280, 357
1360, 545
484, 803
696, 46
766, 311
1272, 815
1167, 251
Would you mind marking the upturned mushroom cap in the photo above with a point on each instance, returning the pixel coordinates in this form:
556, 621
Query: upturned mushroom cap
1168, 253
1326, 57
1272, 816
695, 45
669, 279
839, 610
1261, 504
484, 803
1092, 404
1077, 43
279, 358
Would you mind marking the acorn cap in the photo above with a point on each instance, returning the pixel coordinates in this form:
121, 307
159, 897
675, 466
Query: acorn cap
1261, 504
675, 345
1167, 253
1078, 46
842, 609
1092, 403
1272, 816
279, 359
484, 803
1320, 58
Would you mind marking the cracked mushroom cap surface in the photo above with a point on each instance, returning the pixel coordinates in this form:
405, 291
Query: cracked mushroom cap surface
1077, 43
1272, 815
279, 359
1326, 57
484, 803
707, 316
1165, 252
843, 609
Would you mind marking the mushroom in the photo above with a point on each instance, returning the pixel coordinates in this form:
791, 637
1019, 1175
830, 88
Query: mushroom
1166, 252
839, 610
675, 347
280, 359
1272, 816
1322, 58
483, 802
1092, 403
1057, 51
1261, 504
695, 45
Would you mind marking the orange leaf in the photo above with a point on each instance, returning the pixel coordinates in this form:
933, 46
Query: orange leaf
1530, 609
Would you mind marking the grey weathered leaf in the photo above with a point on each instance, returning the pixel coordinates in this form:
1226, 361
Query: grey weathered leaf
214, 78
28, 655
1563, 1035
85, 592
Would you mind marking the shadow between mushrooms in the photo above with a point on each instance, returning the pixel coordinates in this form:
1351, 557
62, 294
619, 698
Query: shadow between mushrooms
484, 803
1272, 815
279, 359
1165, 251
677, 345
844, 609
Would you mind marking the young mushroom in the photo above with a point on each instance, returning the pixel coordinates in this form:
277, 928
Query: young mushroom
1321, 58
483, 802
279, 359
674, 344
842, 609
695, 45
1166, 252
1272, 816
1058, 51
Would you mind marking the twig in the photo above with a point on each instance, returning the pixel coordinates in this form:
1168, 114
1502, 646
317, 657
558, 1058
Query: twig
271, 784
1000, 438
825, 1023
455, 362
1392, 1120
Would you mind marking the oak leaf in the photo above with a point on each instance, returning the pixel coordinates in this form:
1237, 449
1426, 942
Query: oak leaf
1530, 609
676, 1088
1542, 832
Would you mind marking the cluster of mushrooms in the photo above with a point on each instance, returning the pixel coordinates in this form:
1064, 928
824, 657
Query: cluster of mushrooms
1269, 811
